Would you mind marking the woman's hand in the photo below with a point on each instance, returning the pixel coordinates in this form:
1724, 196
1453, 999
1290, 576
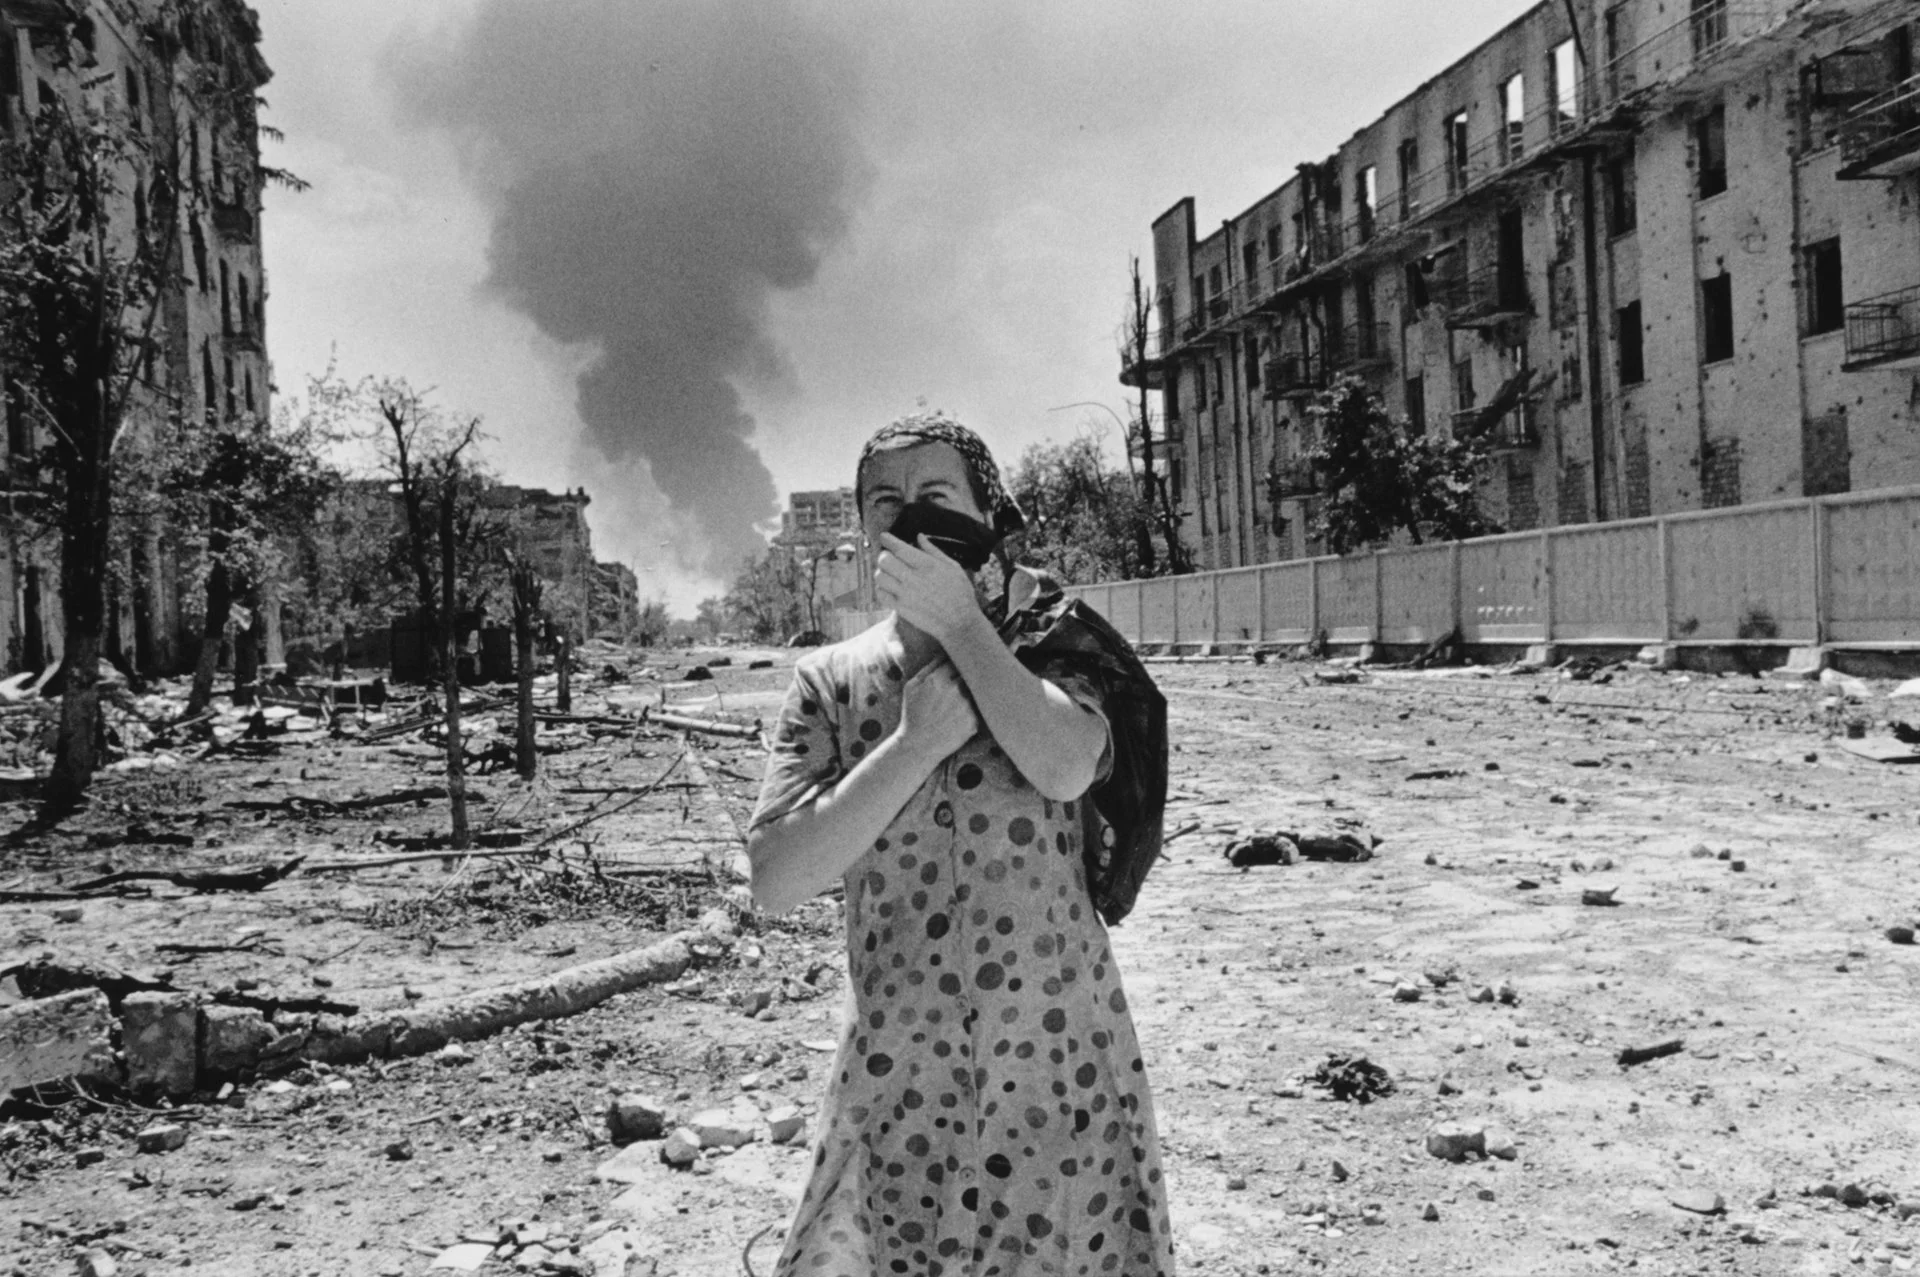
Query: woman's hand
936, 714
926, 589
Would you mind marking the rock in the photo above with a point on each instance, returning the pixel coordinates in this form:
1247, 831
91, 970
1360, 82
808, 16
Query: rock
1340, 1172
634, 1116
161, 1137
717, 922
722, 1128
633, 1164
1485, 1194
1452, 1141
97, 1263
1481, 993
53, 1039
1236, 1183
453, 1055
1448, 1088
1900, 934
682, 1148
532, 1259
1407, 991
785, 1124
84, 1157
1430, 1212
1506, 993
1853, 1195
69, 914
1372, 1216
467, 1257
232, 1038
1701, 1201
399, 1151
613, 1254
160, 1036
1737, 866
1499, 1143
751, 1002
1907, 1208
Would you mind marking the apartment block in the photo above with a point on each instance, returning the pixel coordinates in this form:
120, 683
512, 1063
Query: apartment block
183, 80
1665, 254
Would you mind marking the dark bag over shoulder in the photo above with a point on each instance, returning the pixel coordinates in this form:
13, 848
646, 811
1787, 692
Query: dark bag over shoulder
1052, 634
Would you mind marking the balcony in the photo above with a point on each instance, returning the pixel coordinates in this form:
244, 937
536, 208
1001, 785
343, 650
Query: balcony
1294, 375
1884, 331
1512, 431
1683, 47
1360, 347
1483, 298
1291, 479
1880, 138
233, 220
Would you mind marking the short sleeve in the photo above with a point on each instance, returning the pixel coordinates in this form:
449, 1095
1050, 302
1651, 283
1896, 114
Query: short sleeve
1088, 695
806, 750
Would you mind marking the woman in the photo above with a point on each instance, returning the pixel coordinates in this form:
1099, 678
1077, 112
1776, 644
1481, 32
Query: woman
987, 1113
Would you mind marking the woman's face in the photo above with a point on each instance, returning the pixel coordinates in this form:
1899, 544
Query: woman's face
931, 472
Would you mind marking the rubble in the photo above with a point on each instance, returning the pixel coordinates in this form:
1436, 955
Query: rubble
634, 1116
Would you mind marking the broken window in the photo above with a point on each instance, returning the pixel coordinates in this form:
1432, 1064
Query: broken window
1200, 388
1366, 198
9, 79
1513, 113
1409, 158
209, 393
1416, 292
1615, 35
199, 238
1366, 345
1456, 140
1623, 204
1250, 257
1709, 25
1273, 242
1463, 396
226, 299
136, 117
1563, 70
1416, 392
1710, 151
249, 389
1826, 302
1253, 364
233, 398
1631, 339
1716, 318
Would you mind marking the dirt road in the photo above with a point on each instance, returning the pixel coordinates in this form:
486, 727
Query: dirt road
1752, 865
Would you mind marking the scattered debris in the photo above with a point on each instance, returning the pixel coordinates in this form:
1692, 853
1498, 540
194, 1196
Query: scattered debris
1599, 899
1286, 849
1352, 1078
1632, 1055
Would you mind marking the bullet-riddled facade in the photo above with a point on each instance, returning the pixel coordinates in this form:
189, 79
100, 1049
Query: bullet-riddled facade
1667, 252
182, 80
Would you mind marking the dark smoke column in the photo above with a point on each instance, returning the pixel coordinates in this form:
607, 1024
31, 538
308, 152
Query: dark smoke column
656, 170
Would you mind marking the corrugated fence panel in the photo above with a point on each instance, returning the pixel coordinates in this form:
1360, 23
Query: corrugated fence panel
1347, 599
1873, 583
1606, 582
1239, 605
1157, 601
1503, 590
1289, 603
1742, 574
1416, 587
1195, 594
1123, 602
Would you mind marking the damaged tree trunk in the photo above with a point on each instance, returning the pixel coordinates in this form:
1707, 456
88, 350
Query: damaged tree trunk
563, 662
213, 629
450, 670
247, 642
84, 548
526, 606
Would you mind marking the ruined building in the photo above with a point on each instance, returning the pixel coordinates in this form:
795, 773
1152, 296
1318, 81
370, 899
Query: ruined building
1687, 230
183, 78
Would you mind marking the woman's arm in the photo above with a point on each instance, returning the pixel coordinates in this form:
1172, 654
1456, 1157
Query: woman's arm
1054, 741
795, 857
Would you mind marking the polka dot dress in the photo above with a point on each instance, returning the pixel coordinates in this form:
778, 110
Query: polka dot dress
987, 1113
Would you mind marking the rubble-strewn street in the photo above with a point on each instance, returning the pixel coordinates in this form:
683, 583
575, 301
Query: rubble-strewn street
1686, 872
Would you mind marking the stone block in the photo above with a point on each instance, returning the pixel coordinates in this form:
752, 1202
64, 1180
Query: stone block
52, 1039
634, 1116
160, 1035
232, 1039
1802, 662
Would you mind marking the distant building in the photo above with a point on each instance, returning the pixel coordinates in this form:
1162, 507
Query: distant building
1690, 227
188, 87
821, 532
828, 515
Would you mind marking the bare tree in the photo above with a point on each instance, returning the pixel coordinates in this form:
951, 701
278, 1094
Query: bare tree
1154, 485
526, 610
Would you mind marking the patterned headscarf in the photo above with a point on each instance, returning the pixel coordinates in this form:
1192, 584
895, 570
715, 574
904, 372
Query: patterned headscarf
936, 427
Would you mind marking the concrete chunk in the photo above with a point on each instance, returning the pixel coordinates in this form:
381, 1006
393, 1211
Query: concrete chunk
160, 1033
232, 1039
52, 1039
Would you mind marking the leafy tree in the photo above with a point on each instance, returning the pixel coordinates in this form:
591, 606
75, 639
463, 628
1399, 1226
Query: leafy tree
1382, 478
1162, 503
768, 599
1084, 519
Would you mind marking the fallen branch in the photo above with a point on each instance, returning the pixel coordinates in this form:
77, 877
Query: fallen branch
351, 866
1632, 1055
258, 878
297, 803
712, 727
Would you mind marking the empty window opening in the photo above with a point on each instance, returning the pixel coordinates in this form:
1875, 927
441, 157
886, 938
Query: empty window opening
1563, 67
1456, 140
1623, 200
1632, 342
1709, 23
1250, 257
1463, 396
1513, 114
1716, 318
1366, 198
1416, 392
1409, 177
1710, 151
1826, 302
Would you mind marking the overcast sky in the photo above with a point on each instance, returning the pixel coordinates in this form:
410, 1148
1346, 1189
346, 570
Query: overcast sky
688, 254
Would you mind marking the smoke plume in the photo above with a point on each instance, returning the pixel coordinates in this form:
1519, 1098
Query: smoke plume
655, 170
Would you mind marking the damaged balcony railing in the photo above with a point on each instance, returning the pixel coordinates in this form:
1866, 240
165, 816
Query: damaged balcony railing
1512, 431
1684, 46
1363, 344
1884, 331
1480, 298
1294, 373
1881, 136
1293, 477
